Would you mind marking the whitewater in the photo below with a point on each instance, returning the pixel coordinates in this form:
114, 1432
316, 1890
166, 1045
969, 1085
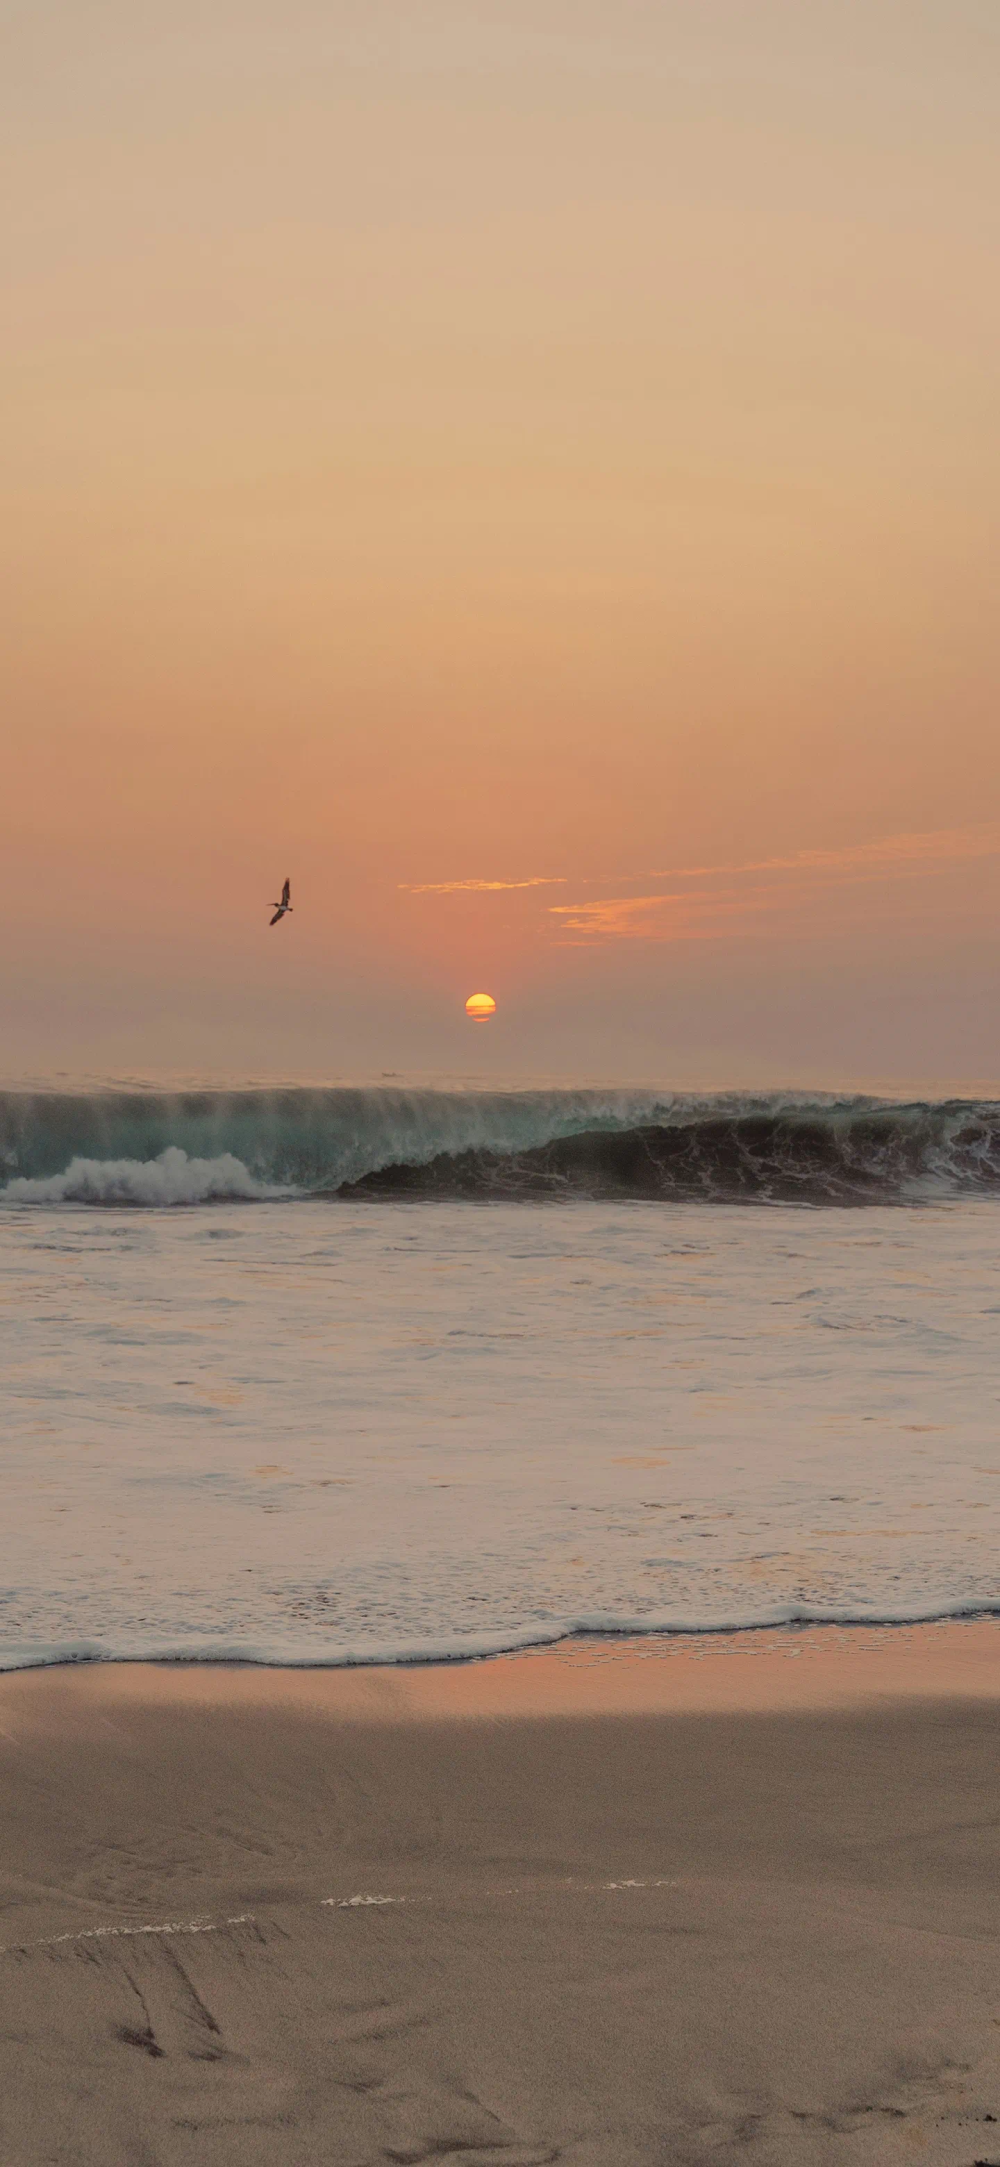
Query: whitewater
382, 1374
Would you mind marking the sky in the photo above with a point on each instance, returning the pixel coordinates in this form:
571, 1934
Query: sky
527, 470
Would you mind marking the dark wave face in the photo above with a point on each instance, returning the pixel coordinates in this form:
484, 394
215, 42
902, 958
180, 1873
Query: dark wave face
156, 1148
784, 1160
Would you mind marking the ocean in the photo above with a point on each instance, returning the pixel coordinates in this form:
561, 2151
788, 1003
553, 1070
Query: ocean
354, 1375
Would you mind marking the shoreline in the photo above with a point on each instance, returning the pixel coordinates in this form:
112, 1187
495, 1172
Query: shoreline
656, 1670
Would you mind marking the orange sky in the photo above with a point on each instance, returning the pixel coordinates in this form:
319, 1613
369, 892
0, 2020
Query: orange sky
458, 443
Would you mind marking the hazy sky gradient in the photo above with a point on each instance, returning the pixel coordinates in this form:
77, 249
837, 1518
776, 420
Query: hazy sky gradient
464, 447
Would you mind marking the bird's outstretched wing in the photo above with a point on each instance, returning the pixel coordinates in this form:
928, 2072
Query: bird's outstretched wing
286, 893
278, 914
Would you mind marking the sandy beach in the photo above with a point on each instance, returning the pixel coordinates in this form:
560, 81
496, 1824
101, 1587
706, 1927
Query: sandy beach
668, 1901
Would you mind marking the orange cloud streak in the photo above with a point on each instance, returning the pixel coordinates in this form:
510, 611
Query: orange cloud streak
478, 887
680, 915
980, 840
636, 917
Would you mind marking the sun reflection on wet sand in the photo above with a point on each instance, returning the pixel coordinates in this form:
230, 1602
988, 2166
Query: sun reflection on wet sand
781, 1669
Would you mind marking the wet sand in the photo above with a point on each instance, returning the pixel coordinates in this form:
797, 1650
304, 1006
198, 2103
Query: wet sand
607, 1904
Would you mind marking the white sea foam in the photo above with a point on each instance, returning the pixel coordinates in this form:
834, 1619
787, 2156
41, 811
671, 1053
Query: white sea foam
172, 1178
290, 1654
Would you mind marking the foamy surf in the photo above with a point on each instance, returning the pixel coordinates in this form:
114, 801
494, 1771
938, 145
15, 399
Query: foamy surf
171, 1178
360, 1435
477, 1647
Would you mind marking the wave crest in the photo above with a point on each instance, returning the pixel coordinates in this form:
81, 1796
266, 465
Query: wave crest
158, 1148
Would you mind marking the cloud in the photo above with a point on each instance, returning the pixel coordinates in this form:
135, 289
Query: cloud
883, 853
798, 882
654, 917
478, 887
722, 901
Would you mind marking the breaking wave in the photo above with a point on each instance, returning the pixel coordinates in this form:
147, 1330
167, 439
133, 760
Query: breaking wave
172, 1178
156, 1148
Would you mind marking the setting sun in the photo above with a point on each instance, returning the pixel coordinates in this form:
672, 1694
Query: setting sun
480, 1007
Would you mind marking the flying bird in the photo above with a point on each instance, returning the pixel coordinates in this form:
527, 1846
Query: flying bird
280, 908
